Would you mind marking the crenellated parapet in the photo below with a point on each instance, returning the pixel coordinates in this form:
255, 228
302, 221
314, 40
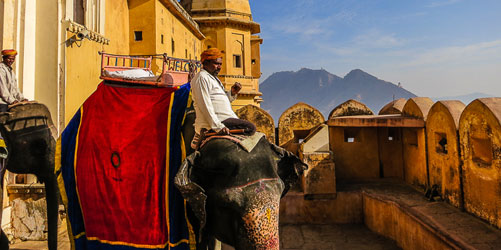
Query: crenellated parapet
414, 142
480, 140
349, 108
263, 121
393, 107
444, 159
296, 122
446, 150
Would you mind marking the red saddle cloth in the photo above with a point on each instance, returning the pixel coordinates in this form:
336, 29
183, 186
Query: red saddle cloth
121, 166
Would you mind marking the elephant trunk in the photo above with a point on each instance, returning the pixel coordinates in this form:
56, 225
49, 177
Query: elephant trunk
52, 193
260, 213
260, 224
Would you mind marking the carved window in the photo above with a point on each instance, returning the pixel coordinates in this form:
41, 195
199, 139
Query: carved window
237, 61
300, 135
352, 135
90, 13
482, 150
393, 134
138, 35
79, 12
172, 46
412, 138
441, 143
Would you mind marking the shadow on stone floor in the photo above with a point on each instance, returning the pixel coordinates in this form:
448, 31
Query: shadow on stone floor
63, 242
292, 237
332, 236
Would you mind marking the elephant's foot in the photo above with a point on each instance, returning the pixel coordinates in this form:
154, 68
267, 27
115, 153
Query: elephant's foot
52, 193
4, 241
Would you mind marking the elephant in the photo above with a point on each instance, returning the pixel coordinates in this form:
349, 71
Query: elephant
30, 138
235, 194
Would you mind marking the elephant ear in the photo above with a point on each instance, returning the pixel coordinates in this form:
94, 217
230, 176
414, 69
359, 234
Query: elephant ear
290, 167
193, 193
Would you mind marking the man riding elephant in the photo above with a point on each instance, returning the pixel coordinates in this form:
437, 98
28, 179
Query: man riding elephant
212, 102
9, 93
233, 184
30, 138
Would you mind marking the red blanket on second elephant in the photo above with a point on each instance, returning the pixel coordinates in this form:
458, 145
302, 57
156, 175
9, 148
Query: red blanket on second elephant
120, 166
118, 155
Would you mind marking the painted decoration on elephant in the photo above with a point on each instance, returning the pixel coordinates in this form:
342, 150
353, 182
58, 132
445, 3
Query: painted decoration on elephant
116, 162
260, 218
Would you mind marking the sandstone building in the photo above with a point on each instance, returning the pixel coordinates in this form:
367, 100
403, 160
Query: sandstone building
61, 70
59, 43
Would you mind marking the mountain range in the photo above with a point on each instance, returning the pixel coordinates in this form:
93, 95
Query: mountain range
325, 91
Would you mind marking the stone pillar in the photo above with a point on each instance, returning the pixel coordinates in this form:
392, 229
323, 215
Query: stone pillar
480, 138
319, 180
414, 143
263, 121
444, 160
296, 122
26, 217
349, 108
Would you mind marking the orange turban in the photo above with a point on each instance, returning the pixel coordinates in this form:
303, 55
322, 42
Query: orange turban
9, 52
211, 54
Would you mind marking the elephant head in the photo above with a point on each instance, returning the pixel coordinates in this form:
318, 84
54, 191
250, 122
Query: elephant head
241, 189
30, 137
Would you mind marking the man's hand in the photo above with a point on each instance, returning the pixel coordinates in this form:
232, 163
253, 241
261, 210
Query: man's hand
236, 88
224, 131
15, 103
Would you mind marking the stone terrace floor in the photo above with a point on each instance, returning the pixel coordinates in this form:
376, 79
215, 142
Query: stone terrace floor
63, 242
333, 236
304, 237
463, 230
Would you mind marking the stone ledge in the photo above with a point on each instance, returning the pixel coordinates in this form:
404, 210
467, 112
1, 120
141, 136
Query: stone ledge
93, 36
397, 211
254, 27
36, 188
33, 191
446, 225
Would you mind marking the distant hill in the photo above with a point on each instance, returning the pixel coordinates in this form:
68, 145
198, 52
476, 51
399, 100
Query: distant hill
466, 99
325, 91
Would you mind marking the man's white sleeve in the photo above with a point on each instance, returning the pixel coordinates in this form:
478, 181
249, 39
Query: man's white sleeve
202, 99
230, 96
4, 90
15, 92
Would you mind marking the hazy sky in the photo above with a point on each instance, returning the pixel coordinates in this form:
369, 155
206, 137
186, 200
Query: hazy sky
433, 47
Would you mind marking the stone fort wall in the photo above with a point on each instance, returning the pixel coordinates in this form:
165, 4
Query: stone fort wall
445, 149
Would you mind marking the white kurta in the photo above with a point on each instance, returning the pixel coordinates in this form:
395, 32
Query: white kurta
212, 104
9, 92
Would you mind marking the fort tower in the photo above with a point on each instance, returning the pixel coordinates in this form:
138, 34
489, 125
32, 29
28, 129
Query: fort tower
228, 25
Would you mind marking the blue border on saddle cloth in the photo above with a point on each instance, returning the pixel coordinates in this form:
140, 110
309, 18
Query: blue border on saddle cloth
177, 207
179, 225
68, 142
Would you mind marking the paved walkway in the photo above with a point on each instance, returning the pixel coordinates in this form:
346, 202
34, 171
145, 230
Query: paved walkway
304, 237
333, 236
63, 242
